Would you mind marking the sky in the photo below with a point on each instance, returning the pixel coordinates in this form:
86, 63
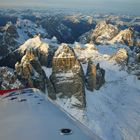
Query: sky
130, 6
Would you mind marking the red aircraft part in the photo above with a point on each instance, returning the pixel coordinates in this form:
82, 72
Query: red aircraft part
2, 92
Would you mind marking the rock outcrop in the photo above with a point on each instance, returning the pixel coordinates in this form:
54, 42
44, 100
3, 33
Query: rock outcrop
38, 47
100, 77
50, 89
8, 79
95, 76
67, 75
41, 49
29, 29
125, 37
121, 56
137, 40
137, 54
105, 33
102, 33
29, 70
91, 76
8, 36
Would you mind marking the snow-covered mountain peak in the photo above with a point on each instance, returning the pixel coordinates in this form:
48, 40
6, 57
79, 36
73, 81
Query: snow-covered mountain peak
101, 34
34, 43
104, 32
64, 51
125, 37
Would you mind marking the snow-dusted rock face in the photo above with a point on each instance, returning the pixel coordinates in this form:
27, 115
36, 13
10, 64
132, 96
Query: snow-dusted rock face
137, 39
11, 31
134, 62
8, 38
100, 77
29, 70
38, 47
138, 57
95, 76
8, 80
91, 76
28, 59
105, 33
28, 29
35, 44
137, 54
102, 33
67, 28
67, 75
55, 27
63, 55
124, 37
121, 56
13, 35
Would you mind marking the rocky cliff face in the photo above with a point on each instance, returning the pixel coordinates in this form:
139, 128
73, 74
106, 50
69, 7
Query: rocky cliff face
28, 60
8, 38
28, 29
121, 57
95, 76
38, 47
67, 75
102, 33
13, 35
105, 33
41, 49
137, 54
29, 70
91, 76
134, 62
8, 79
125, 37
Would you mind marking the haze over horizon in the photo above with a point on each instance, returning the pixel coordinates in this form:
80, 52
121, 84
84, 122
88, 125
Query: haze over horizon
116, 6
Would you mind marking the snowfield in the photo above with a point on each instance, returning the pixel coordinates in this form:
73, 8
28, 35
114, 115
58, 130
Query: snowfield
113, 112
